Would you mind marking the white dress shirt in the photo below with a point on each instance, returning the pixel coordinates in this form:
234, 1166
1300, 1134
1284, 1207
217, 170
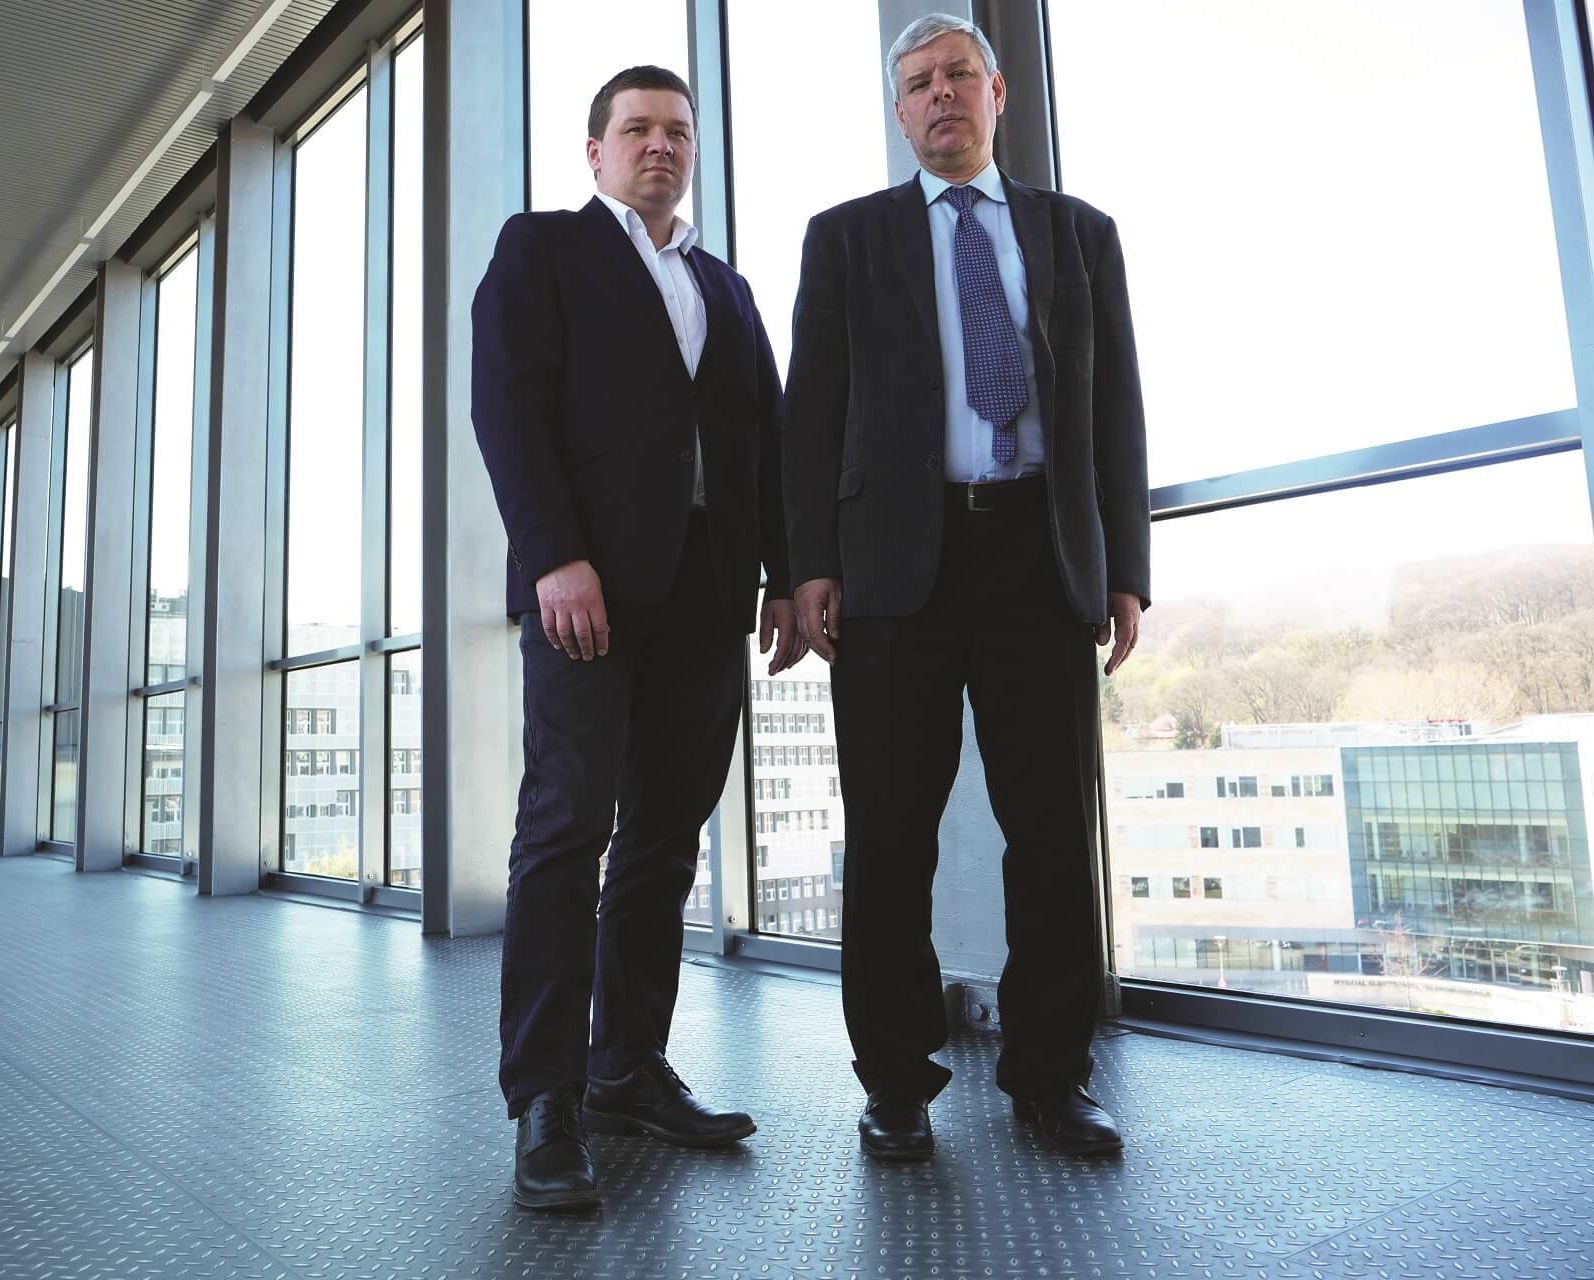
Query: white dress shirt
968, 436
678, 287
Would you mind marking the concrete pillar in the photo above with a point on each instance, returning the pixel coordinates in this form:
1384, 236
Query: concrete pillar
30, 532
108, 617
233, 707
475, 155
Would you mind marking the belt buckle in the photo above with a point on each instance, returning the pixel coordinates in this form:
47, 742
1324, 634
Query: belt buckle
973, 496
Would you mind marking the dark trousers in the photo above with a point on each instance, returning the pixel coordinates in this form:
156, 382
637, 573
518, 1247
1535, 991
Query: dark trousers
626, 753
996, 624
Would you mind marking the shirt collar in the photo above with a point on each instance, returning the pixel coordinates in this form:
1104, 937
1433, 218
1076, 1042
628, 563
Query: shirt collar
683, 235
988, 182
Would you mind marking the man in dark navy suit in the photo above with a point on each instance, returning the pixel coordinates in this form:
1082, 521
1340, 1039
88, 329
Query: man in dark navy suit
627, 407
966, 478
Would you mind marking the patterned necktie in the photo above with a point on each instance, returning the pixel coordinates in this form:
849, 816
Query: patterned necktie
993, 363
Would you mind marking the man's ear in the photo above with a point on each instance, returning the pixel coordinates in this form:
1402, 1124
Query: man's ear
594, 156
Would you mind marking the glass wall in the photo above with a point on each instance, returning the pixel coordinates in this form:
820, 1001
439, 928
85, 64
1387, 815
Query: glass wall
326, 455
1368, 258
799, 829
161, 828
567, 66
351, 696
327, 381
1345, 761
404, 444
166, 601
72, 570
404, 770
321, 767
403, 807
8, 481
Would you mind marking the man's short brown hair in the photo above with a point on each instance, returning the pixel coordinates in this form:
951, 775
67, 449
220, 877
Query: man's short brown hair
645, 77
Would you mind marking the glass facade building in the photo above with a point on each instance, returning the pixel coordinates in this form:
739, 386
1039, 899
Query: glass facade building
1480, 850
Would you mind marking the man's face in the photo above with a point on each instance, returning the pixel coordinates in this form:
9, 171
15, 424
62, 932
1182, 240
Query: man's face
947, 104
646, 155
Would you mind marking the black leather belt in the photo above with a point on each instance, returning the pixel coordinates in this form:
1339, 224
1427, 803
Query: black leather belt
999, 495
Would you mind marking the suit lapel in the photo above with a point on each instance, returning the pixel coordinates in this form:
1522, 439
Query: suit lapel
719, 312
1032, 224
910, 233
632, 269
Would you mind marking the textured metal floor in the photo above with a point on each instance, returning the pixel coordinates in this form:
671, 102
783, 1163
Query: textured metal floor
243, 1088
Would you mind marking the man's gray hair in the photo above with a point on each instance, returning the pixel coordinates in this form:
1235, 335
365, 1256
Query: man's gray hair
932, 26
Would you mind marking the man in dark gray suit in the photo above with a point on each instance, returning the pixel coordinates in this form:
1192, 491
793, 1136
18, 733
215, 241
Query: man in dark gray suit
965, 479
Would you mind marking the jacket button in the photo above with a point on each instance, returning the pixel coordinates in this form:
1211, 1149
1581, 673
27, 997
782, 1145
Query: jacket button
935, 384
685, 455
932, 462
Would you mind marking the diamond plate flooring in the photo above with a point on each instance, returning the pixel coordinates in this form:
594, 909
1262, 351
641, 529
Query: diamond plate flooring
258, 1088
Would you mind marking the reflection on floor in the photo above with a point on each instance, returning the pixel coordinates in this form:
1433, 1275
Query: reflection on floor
242, 1088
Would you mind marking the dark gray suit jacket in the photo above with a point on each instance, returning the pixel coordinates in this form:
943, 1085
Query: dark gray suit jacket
865, 418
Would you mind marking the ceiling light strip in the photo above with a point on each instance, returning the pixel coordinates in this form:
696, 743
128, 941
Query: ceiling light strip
246, 46
255, 34
72, 259
150, 161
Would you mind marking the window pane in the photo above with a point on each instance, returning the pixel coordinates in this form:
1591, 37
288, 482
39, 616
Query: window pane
321, 771
10, 497
1367, 257
799, 826
74, 532
575, 49
6, 514
170, 477
326, 403
1401, 670
798, 821
404, 770
162, 830
772, 209
63, 792
404, 447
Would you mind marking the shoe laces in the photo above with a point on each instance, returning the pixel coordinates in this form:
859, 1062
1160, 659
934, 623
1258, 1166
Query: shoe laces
559, 1117
668, 1073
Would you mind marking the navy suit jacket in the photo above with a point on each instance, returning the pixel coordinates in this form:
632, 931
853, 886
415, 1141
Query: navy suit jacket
865, 415
585, 414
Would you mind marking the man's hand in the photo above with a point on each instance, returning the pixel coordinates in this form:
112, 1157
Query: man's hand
778, 623
1123, 630
573, 615
818, 604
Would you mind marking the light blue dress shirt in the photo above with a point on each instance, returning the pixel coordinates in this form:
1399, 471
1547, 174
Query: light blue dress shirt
968, 436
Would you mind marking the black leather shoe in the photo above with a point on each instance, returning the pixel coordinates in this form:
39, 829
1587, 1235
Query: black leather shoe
1073, 1120
553, 1168
895, 1125
653, 1099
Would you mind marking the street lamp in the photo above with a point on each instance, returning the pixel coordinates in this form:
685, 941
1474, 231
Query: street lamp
1223, 978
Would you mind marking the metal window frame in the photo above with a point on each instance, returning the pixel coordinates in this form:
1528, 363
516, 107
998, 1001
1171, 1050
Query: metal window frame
194, 240
143, 501
50, 656
10, 425
371, 652
1558, 41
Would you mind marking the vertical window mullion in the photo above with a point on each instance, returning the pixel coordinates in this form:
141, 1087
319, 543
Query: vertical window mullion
198, 522
274, 700
374, 523
138, 615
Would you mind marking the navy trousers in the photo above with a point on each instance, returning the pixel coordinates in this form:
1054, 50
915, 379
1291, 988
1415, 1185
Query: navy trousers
627, 753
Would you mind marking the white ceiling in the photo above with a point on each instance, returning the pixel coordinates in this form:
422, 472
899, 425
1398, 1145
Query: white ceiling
87, 89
